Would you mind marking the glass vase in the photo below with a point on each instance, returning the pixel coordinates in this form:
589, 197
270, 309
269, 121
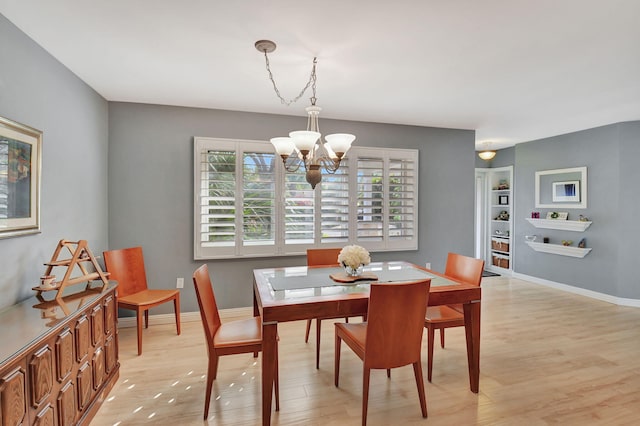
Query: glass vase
353, 272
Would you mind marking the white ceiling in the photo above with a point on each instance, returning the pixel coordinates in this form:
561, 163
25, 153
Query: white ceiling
513, 70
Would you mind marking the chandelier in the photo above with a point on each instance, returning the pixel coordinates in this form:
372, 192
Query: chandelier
305, 148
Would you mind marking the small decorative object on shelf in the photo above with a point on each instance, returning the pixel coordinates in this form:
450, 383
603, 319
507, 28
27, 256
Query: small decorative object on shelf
47, 281
503, 200
558, 215
354, 258
535, 215
582, 243
531, 238
545, 240
567, 242
503, 215
502, 185
583, 219
76, 257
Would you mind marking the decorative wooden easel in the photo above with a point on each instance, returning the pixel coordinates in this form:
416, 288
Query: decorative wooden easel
80, 255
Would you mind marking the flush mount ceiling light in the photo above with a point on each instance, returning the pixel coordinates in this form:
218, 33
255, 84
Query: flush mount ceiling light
306, 147
487, 154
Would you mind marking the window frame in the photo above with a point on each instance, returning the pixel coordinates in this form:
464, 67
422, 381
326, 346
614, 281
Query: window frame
280, 247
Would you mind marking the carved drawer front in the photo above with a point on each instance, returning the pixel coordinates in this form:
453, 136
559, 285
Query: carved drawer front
45, 417
64, 354
111, 357
98, 368
109, 314
84, 385
41, 375
97, 325
66, 405
82, 338
12, 398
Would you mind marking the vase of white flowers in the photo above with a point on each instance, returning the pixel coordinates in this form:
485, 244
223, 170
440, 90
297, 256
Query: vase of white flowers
354, 258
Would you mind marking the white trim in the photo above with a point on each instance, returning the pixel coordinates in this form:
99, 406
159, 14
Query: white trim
622, 301
225, 314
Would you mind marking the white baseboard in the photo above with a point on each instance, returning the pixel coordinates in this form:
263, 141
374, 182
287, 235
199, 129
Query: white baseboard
231, 313
581, 291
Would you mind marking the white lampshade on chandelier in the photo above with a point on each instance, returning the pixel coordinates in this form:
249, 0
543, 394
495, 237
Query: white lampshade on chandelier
305, 147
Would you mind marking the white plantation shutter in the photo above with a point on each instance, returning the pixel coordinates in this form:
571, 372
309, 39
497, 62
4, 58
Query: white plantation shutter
217, 198
299, 207
246, 205
258, 199
334, 202
402, 190
387, 198
371, 198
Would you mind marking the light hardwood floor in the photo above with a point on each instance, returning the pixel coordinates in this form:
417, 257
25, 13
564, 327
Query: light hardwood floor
547, 357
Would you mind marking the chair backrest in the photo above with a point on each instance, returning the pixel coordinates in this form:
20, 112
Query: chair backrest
207, 303
323, 256
465, 269
126, 266
395, 322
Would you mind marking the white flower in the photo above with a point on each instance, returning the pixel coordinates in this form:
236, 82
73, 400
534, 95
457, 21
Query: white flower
354, 256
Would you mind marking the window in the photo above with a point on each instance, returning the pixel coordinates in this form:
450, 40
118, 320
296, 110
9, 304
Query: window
247, 205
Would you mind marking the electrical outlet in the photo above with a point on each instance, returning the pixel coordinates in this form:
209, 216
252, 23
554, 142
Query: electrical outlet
180, 283
428, 265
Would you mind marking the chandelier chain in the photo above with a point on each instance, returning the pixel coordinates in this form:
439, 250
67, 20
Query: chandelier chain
311, 83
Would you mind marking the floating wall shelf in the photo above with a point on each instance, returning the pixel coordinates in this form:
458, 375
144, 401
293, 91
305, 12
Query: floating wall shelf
563, 225
559, 249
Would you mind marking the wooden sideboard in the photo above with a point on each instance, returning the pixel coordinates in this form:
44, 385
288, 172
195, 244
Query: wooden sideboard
59, 359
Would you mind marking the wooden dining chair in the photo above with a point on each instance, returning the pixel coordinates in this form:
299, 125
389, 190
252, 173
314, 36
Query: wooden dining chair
392, 335
460, 268
320, 257
230, 338
126, 266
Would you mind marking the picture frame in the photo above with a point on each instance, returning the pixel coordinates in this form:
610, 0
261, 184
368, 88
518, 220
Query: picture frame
566, 192
20, 170
503, 200
544, 188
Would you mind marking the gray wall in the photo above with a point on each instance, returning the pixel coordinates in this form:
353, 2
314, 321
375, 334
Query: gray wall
151, 189
611, 155
36, 90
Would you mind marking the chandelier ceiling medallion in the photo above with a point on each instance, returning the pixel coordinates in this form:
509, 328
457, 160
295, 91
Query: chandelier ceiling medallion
305, 147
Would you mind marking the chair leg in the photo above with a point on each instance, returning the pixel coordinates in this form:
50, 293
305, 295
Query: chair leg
365, 394
306, 335
442, 338
139, 315
388, 372
176, 309
318, 322
336, 364
276, 381
430, 337
146, 318
211, 375
417, 371
213, 365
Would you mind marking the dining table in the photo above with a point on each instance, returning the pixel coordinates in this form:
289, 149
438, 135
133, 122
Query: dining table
307, 292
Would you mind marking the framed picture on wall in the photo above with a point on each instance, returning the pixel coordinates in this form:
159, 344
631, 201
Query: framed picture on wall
503, 200
20, 163
566, 192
